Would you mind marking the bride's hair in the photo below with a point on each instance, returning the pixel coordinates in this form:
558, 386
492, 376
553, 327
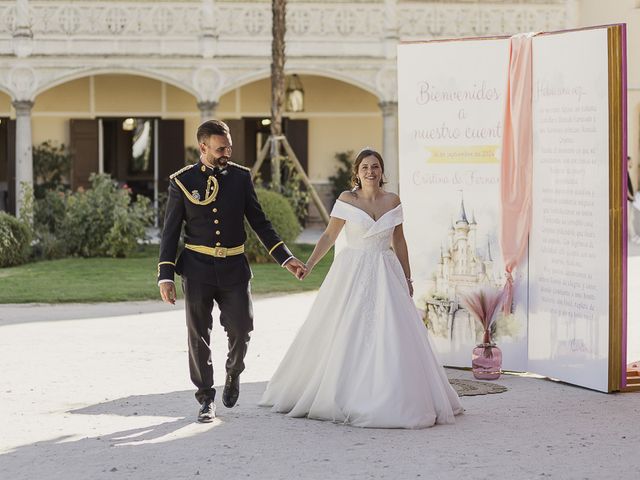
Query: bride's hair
362, 154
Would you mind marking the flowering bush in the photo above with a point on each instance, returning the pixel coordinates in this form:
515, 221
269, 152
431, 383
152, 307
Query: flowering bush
100, 221
103, 220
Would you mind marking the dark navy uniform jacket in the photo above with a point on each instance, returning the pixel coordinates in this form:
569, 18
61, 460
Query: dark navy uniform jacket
212, 204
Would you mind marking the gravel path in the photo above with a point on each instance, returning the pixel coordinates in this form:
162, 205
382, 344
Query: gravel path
102, 392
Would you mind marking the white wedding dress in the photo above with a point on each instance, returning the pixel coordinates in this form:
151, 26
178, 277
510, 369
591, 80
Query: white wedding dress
363, 355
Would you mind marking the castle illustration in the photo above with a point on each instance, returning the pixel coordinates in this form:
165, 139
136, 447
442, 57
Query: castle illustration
465, 264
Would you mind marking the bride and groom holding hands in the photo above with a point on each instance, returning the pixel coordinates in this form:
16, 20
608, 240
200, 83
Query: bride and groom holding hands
363, 355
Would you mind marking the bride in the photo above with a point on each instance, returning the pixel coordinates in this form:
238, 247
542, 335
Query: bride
363, 355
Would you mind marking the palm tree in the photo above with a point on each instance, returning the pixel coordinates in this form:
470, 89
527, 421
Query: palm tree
279, 28
277, 139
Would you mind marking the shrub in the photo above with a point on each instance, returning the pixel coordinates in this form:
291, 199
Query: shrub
15, 238
49, 211
51, 167
191, 155
48, 218
341, 181
279, 211
103, 221
291, 187
294, 191
129, 222
48, 247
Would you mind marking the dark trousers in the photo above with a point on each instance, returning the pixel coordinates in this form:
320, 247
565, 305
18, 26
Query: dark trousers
237, 319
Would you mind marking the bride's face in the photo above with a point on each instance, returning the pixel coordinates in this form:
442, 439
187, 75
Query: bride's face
370, 171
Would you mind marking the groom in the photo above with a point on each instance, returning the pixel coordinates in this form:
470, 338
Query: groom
212, 198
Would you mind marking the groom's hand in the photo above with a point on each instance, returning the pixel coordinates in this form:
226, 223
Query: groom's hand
303, 273
296, 268
168, 292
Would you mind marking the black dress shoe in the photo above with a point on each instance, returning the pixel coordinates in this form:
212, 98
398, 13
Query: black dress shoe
207, 412
231, 390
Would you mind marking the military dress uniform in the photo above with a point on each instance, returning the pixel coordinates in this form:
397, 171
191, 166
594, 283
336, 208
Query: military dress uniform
212, 203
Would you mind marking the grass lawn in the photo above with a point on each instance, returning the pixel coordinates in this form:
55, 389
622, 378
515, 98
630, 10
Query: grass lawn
133, 278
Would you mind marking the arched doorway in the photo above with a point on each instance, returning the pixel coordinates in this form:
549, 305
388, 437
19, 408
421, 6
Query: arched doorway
104, 115
129, 126
338, 117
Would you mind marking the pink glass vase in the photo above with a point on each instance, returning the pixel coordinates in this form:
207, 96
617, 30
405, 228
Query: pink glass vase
486, 360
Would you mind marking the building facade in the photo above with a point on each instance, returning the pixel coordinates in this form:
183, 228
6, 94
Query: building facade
125, 83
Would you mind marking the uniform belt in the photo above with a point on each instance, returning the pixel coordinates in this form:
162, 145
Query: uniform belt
219, 252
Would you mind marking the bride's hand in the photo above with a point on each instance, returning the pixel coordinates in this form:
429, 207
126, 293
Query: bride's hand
294, 266
410, 285
302, 273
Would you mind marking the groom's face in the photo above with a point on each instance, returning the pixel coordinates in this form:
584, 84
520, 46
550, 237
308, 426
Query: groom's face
216, 150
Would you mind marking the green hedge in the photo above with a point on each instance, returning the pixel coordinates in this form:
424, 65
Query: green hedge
15, 240
280, 212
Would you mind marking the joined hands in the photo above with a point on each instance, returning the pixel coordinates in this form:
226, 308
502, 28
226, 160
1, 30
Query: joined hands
297, 268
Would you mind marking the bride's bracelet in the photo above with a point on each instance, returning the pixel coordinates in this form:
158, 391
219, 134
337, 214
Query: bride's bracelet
409, 280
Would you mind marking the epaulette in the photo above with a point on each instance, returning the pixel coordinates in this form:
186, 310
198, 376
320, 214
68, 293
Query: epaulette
183, 169
233, 164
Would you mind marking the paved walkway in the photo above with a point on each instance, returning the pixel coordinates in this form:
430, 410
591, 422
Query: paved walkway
102, 392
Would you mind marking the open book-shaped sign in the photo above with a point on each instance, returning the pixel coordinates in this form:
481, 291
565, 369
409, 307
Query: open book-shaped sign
458, 100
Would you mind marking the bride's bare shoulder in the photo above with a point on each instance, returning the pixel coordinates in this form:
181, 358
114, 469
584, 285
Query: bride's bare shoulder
393, 199
348, 196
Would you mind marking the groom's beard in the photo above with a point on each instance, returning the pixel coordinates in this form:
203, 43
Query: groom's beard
221, 161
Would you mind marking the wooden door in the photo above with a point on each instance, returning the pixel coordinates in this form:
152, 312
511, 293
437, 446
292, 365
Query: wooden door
297, 132
84, 151
171, 150
8, 164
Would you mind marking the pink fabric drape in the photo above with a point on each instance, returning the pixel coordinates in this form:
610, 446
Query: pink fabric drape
517, 160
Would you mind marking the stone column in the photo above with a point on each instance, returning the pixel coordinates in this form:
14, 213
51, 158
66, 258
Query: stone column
207, 110
24, 153
390, 144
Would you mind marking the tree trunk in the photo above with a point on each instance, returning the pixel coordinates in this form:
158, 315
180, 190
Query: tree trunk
278, 8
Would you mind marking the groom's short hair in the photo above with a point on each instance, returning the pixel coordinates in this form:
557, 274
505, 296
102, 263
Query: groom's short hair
211, 127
